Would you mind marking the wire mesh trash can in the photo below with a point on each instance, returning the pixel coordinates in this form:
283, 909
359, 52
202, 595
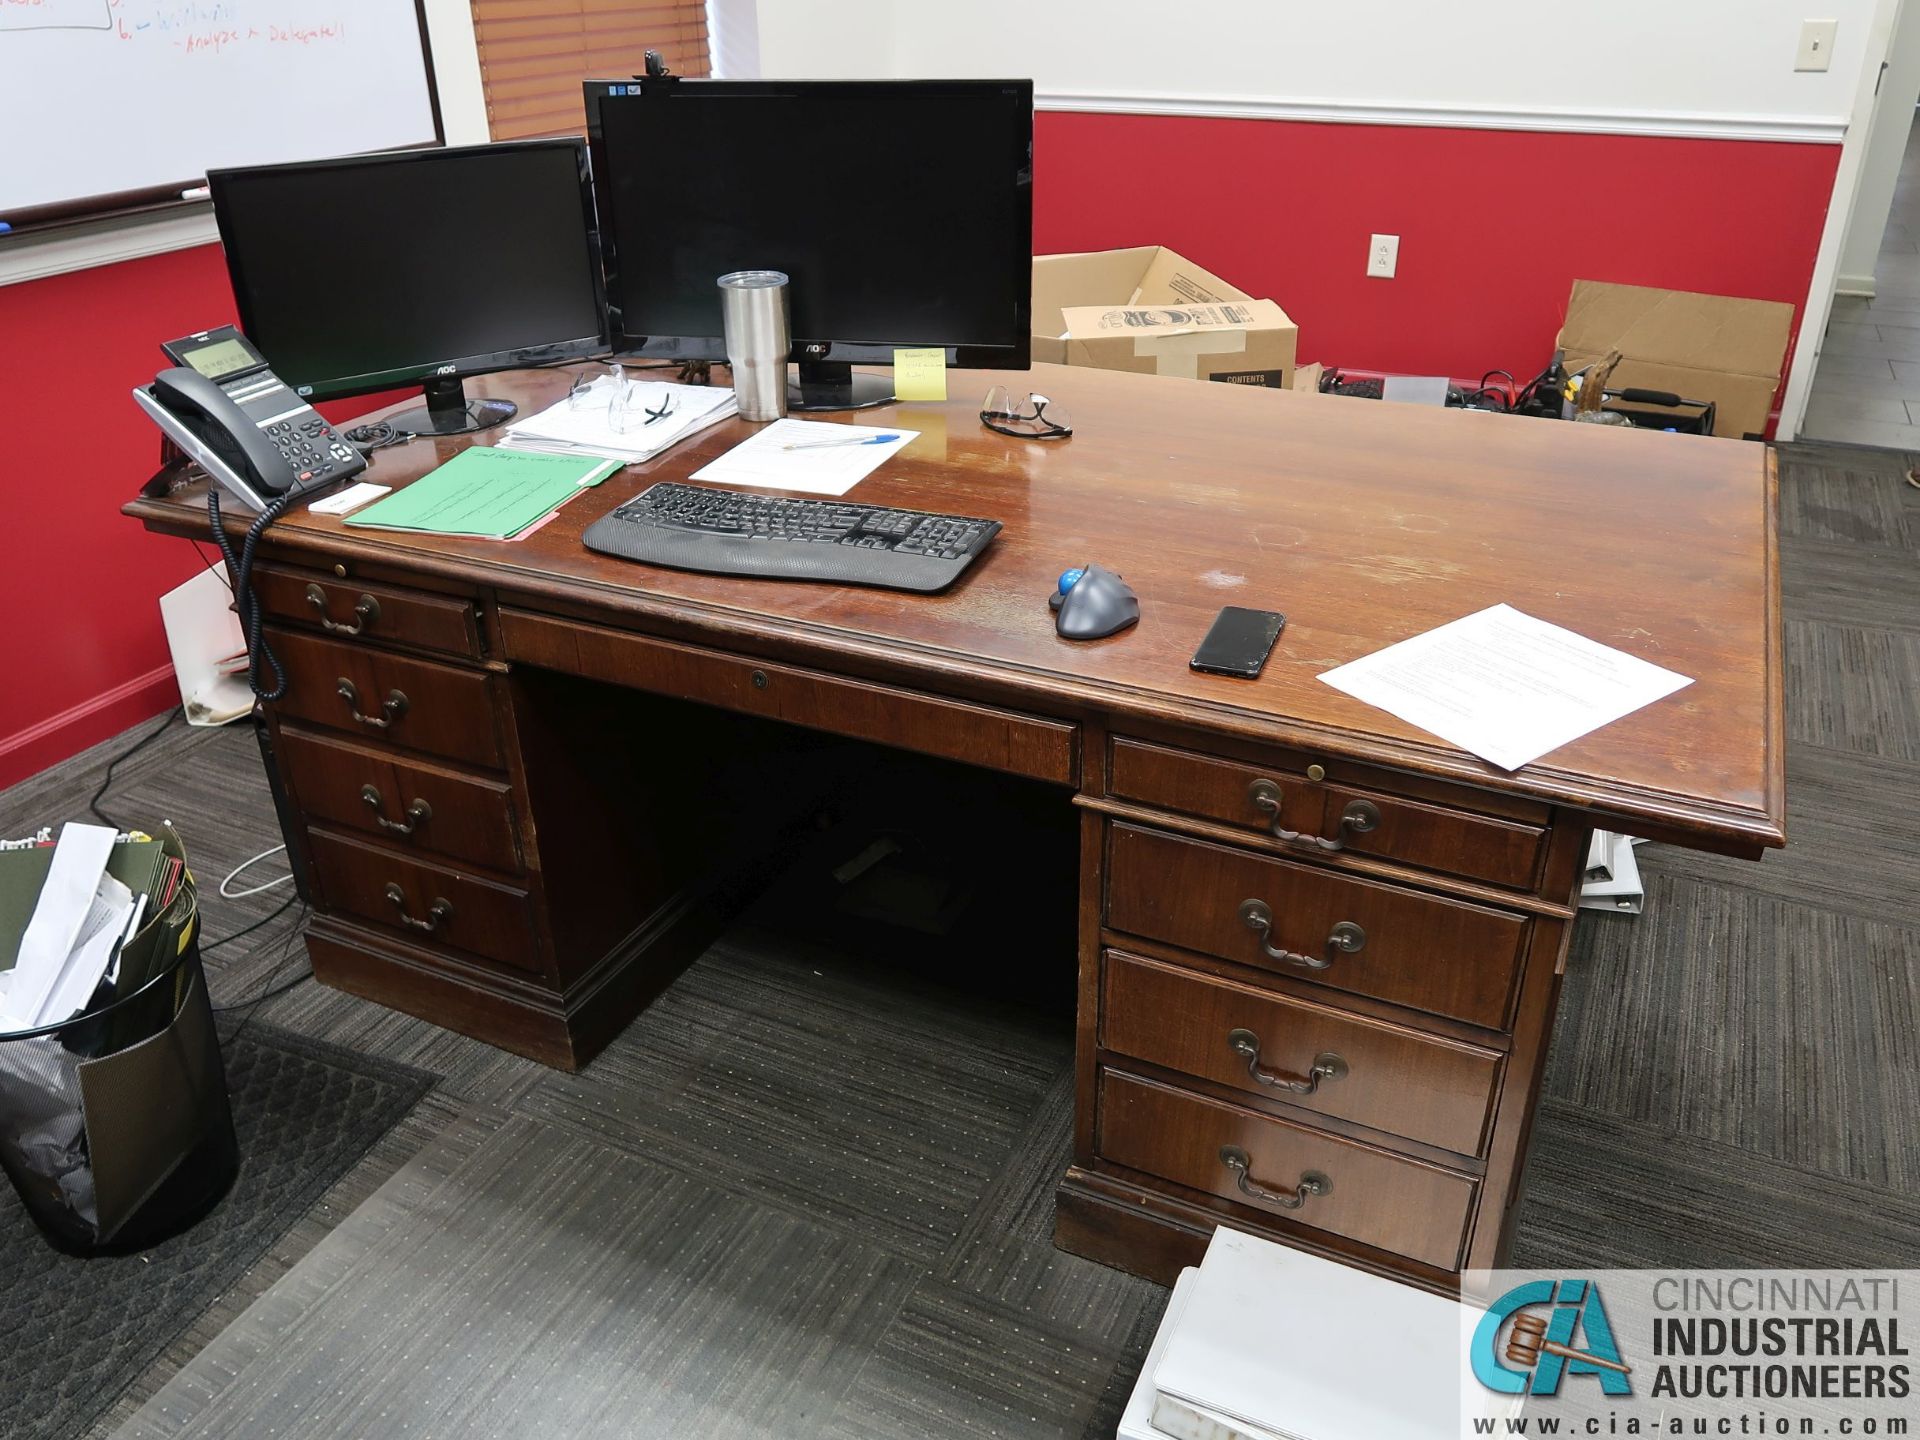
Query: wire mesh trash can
115, 1127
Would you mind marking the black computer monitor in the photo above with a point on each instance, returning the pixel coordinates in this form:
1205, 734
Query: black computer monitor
416, 266
900, 210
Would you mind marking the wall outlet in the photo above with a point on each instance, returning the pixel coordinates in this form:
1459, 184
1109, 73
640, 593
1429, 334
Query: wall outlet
1816, 44
1383, 256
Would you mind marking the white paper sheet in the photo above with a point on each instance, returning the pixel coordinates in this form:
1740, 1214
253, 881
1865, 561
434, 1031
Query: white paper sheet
59, 918
1505, 686
100, 939
346, 501
826, 469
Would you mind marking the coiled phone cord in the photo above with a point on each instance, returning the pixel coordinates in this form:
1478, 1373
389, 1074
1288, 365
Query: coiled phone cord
245, 601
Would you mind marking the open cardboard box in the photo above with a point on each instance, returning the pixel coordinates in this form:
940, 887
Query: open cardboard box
1151, 310
1700, 347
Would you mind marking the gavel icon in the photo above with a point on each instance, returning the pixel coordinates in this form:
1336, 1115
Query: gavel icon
1527, 1342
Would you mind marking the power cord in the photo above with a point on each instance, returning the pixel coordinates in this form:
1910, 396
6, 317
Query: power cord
93, 805
247, 864
269, 991
266, 919
378, 435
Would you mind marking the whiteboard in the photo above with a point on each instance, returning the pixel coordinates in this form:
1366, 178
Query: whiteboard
98, 97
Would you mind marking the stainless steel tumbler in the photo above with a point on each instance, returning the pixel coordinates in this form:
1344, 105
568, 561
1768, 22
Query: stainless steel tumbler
753, 308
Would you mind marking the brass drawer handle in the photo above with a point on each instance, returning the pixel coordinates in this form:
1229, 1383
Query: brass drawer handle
1312, 1182
391, 709
1359, 817
439, 913
1327, 1066
366, 610
418, 813
1346, 938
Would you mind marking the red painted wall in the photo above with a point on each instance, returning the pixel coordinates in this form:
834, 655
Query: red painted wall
84, 655
1494, 225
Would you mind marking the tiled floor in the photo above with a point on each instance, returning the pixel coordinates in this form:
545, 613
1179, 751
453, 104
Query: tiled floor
1867, 389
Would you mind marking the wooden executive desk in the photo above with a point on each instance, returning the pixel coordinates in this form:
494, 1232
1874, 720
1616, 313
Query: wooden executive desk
482, 857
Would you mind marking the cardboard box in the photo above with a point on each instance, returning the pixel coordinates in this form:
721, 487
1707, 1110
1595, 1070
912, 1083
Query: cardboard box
1701, 347
1150, 309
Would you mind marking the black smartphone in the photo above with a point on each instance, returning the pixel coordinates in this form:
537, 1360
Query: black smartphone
1239, 642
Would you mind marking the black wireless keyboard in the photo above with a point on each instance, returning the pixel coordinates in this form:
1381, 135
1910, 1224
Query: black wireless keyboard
730, 532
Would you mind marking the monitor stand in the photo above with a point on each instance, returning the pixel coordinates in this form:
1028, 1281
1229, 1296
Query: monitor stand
449, 412
825, 385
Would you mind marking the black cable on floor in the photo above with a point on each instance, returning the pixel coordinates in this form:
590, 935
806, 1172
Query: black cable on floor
253, 1003
93, 805
270, 916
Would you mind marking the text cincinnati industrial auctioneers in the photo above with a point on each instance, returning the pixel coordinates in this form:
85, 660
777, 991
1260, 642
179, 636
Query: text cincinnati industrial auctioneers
1779, 1337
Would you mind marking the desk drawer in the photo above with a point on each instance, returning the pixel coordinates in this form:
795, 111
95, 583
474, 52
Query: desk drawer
407, 803
982, 735
356, 612
1366, 1194
1384, 1076
1397, 944
426, 903
386, 698
1264, 800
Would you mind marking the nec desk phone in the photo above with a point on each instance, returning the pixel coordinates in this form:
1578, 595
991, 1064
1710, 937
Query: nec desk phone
226, 409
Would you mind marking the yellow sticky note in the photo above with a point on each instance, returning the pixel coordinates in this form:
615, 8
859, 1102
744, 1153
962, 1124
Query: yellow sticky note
920, 374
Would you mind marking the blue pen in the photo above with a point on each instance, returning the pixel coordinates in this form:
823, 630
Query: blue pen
829, 444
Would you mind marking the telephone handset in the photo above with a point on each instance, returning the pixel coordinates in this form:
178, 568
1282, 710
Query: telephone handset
226, 409
260, 442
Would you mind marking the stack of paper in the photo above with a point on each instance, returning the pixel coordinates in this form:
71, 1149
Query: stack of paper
569, 429
1263, 1342
72, 941
488, 493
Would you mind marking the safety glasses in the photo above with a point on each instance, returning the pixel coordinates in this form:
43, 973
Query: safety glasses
1035, 418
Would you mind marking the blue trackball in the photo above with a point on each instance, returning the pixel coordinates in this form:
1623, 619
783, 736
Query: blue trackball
1069, 579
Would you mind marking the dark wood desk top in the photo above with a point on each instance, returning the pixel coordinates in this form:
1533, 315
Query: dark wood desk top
1364, 522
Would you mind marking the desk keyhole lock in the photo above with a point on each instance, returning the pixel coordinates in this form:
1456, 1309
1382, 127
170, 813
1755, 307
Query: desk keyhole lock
759, 679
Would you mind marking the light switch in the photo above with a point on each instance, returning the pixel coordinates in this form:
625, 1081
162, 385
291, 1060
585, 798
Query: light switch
1816, 44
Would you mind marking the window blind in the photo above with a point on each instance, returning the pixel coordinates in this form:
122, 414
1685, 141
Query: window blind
535, 53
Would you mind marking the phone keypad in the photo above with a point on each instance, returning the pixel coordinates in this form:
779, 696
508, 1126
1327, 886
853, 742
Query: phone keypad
311, 447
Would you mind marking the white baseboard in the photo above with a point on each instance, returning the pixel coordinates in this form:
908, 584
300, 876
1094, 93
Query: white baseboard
1858, 285
1803, 129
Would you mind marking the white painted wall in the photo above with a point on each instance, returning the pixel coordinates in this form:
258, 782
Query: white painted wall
1893, 115
1846, 184
1721, 58
830, 39
456, 72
